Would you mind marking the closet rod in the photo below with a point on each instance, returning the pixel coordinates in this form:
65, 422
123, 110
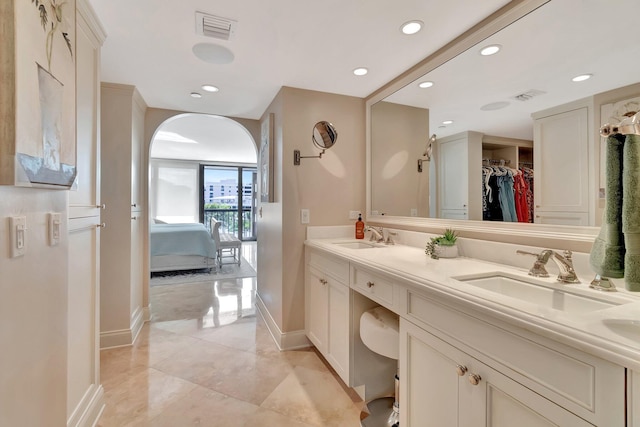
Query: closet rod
628, 126
500, 162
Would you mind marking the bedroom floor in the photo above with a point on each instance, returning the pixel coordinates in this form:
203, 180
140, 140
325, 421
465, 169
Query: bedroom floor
214, 363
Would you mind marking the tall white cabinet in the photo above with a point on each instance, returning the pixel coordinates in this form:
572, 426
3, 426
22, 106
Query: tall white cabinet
459, 164
562, 141
84, 392
122, 243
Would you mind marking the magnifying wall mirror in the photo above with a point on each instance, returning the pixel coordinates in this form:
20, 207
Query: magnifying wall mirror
324, 136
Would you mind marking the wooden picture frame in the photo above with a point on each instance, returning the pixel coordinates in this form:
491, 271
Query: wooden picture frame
38, 101
266, 159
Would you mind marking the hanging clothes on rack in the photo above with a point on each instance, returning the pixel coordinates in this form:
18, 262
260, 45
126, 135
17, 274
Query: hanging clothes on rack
507, 193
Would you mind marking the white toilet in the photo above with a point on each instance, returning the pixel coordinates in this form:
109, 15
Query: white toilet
379, 331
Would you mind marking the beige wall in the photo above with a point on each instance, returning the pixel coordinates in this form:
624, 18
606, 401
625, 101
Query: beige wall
33, 313
329, 187
399, 134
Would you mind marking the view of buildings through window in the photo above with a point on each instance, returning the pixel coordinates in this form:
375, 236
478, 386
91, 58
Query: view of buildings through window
229, 197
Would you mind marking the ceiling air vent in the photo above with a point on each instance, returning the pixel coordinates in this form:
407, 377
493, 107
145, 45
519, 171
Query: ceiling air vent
215, 26
525, 96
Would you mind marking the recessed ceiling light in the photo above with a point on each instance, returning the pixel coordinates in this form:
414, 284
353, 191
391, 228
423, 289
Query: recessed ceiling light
490, 50
210, 88
360, 71
411, 27
581, 77
424, 85
195, 95
447, 122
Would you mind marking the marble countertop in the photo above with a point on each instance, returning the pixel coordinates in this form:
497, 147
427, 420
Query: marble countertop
612, 332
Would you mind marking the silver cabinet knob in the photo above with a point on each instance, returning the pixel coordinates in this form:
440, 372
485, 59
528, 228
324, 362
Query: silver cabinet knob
102, 206
474, 379
134, 217
323, 281
370, 284
103, 225
461, 370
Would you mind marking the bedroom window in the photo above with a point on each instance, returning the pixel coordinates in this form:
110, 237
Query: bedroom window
228, 195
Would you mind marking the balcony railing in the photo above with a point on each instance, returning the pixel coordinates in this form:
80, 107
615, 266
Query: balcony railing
229, 221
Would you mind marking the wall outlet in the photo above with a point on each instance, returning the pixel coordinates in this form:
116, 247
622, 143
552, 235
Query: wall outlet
354, 214
18, 233
414, 212
305, 216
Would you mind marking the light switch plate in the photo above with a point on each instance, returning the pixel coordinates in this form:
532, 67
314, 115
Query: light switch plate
305, 216
18, 233
354, 214
54, 228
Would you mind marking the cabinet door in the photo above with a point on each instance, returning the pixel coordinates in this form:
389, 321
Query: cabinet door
453, 175
442, 385
562, 164
316, 302
430, 384
338, 333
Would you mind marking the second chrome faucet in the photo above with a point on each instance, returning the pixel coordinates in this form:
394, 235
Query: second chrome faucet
564, 262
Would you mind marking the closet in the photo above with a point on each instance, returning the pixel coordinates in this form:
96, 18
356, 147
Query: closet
122, 241
463, 161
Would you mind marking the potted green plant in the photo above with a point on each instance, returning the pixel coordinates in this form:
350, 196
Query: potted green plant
443, 246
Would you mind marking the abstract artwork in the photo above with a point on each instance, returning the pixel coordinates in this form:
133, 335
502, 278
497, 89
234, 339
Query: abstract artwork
266, 159
44, 106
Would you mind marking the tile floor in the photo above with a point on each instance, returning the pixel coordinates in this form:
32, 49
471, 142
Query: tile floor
207, 359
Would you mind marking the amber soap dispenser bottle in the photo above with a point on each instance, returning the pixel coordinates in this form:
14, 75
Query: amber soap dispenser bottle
359, 227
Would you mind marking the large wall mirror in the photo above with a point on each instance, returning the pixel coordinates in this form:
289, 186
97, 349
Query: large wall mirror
516, 111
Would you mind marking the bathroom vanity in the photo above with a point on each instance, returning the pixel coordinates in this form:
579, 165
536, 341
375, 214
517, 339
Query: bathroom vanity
481, 343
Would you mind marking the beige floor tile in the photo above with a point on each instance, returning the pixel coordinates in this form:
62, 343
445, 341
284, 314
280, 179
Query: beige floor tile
141, 397
207, 359
314, 398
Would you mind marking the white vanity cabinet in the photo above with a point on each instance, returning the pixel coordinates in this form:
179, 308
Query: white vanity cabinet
561, 149
460, 370
327, 309
443, 386
633, 398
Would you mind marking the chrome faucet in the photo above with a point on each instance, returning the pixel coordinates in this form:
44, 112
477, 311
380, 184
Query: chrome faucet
377, 234
564, 262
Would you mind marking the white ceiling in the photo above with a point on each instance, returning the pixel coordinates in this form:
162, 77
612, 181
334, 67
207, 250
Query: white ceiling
205, 138
297, 43
542, 51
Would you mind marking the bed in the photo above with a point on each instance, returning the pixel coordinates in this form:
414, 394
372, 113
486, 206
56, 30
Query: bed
181, 247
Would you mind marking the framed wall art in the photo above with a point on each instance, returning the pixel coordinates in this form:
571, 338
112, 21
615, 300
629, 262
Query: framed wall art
266, 159
38, 101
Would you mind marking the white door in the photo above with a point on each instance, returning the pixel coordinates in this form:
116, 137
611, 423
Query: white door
453, 175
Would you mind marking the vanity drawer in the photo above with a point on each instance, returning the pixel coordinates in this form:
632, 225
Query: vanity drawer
373, 286
588, 386
335, 267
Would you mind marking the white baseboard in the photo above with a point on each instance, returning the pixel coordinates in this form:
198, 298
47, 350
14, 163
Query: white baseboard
123, 337
284, 340
88, 411
146, 314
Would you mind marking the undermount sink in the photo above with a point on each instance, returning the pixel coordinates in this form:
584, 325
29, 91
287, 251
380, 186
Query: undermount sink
549, 296
357, 245
628, 328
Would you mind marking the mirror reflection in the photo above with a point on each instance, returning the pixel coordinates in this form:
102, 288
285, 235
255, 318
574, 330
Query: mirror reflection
516, 138
324, 135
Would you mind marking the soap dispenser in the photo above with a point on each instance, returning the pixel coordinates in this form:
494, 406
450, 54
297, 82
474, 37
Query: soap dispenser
359, 227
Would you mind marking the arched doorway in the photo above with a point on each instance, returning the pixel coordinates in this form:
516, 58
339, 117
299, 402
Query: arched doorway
201, 166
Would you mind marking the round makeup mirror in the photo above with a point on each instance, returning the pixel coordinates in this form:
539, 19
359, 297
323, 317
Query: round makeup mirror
324, 135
